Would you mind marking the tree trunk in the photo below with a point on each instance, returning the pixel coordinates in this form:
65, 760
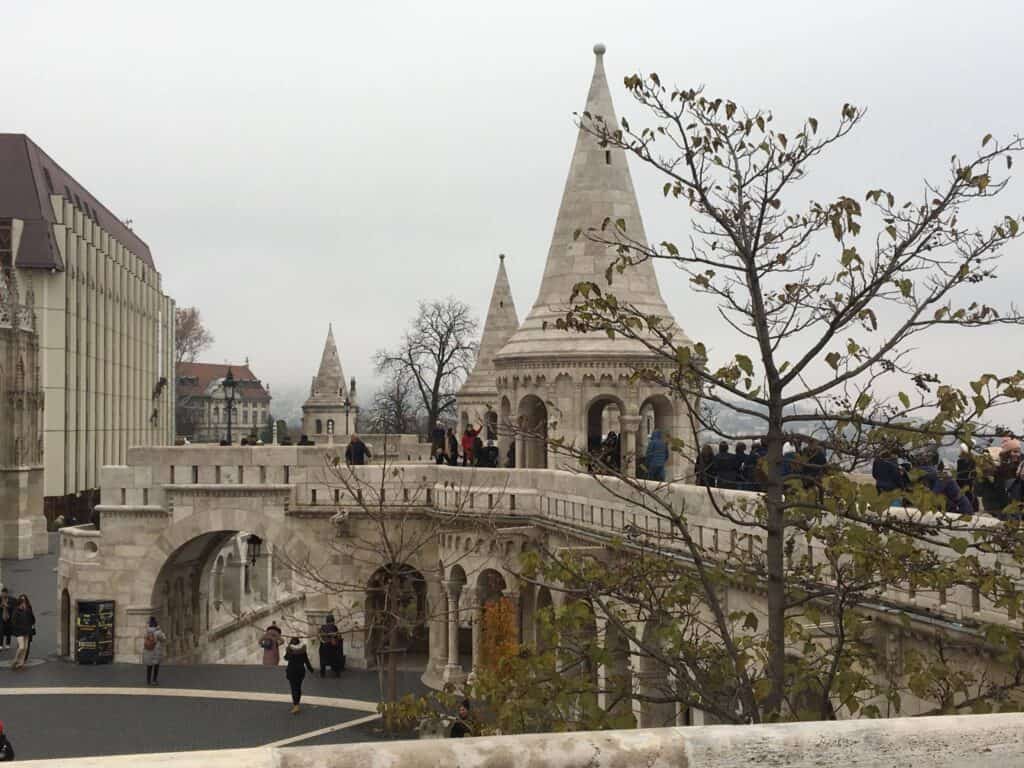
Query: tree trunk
775, 567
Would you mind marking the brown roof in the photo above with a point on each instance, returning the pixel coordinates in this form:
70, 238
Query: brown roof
195, 378
28, 176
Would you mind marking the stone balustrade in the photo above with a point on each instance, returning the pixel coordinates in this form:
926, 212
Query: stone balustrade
980, 741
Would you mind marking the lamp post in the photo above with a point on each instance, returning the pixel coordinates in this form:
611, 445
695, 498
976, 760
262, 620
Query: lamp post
229, 385
252, 548
348, 402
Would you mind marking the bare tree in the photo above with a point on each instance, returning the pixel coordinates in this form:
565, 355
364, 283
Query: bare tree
396, 407
436, 354
190, 335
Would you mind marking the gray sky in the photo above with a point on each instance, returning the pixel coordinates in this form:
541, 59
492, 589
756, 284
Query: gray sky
294, 165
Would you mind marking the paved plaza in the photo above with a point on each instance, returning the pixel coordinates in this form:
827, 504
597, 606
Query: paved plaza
58, 709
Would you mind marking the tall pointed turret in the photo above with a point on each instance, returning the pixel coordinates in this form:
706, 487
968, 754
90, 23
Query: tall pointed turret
502, 321
329, 381
330, 407
598, 186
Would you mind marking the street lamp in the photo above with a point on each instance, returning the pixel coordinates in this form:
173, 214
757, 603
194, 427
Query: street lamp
229, 385
252, 548
348, 402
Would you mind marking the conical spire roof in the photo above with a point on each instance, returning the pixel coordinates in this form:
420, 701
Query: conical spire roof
598, 186
502, 321
329, 383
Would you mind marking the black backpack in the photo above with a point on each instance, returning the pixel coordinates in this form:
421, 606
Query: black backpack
6, 750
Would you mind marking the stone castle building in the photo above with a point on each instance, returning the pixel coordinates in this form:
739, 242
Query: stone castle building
105, 326
548, 383
331, 406
201, 412
22, 525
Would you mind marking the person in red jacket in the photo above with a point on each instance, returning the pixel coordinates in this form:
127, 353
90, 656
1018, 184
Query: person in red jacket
467, 444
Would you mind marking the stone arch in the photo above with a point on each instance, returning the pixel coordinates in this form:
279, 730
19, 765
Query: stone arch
396, 611
491, 586
602, 417
533, 425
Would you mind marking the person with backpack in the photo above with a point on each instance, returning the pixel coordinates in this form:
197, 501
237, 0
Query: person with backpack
271, 643
297, 659
6, 750
153, 650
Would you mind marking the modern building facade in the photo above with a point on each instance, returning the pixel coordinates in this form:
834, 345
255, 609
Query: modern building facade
105, 326
331, 406
202, 412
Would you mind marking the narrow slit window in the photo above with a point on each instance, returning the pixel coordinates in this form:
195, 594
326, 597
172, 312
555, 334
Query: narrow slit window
607, 157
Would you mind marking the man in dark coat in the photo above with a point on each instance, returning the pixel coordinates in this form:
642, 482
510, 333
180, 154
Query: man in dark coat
356, 453
725, 466
330, 647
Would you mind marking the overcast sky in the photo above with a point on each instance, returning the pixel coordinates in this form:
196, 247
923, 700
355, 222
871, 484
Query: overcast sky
296, 164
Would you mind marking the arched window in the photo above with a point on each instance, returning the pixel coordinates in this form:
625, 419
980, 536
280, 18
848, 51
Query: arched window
330, 426
319, 427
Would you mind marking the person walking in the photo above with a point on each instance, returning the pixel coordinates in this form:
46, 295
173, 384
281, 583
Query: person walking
453, 448
6, 749
297, 659
271, 643
6, 612
657, 457
23, 626
153, 650
356, 453
330, 647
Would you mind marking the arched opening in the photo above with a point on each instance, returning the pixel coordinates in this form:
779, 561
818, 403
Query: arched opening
604, 432
618, 677
202, 586
542, 619
498, 631
330, 426
396, 613
656, 413
319, 427
655, 678
65, 623
533, 427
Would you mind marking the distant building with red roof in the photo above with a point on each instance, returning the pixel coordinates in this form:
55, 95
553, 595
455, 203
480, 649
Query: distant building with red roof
201, 413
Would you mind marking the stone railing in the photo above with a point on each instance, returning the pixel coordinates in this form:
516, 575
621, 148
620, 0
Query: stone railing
979, 741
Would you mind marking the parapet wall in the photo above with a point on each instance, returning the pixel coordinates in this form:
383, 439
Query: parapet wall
978, 741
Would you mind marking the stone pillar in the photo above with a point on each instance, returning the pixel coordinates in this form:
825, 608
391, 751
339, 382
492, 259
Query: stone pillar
520, 450
630, 425
453, 672
260, 577
478, 628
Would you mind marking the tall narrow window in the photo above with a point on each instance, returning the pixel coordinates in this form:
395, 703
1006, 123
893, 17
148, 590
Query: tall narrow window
607, 157
6, 244
312, 496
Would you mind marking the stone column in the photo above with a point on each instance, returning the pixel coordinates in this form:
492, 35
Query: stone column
453, 672
478, 628
630, 425
520, 450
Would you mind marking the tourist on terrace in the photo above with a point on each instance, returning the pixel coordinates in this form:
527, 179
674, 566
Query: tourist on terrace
6, 612
657, 456
467, 444
453, 448
297, 659
725, 466
704, 467
610, 453
271, 643
437, 442
153, 650
23, 626
356, 453
967, 474
887, 473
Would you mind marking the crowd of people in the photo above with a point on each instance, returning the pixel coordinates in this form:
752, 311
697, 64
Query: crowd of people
469, 448
296, 655
738, 469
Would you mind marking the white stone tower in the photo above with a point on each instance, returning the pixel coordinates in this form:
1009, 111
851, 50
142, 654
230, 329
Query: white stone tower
477, 399
331, 407
555, 383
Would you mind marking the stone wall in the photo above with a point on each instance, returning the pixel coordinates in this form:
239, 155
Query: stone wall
979, 741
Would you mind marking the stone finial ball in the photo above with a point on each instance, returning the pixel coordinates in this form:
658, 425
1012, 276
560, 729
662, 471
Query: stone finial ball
599, 48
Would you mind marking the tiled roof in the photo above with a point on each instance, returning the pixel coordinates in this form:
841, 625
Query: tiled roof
28, 176
195, 379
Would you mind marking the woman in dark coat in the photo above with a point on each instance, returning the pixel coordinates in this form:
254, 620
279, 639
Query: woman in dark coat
297, 659
23, 626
